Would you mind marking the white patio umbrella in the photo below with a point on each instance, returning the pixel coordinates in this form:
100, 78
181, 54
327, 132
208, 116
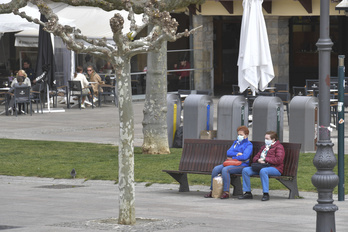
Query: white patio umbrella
255, 67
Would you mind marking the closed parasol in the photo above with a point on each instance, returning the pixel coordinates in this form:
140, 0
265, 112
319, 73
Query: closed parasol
255, 67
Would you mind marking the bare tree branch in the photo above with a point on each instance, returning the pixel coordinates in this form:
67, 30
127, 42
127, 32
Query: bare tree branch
138, 5
164, 29
14, 4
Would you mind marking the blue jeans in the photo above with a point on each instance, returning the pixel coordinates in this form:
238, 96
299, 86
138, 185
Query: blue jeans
225, 173
264, 173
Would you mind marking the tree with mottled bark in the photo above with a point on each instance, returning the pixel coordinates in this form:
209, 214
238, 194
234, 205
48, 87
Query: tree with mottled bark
155, 107
164, 29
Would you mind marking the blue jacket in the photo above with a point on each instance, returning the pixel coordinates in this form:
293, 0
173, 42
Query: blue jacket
245, 147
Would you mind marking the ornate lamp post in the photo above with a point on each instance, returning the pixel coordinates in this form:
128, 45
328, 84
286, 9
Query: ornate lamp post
325, 180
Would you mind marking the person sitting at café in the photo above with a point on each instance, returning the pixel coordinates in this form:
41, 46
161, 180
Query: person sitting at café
78, 76
237, 159
271, 156
19, 83
23, 74
95, 80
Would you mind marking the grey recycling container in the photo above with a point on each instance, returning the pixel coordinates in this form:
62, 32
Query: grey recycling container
268, 114
232, 112
303, 122
173, 116
198, 115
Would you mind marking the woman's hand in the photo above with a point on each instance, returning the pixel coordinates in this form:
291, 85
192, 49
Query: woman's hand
261, 161
240, 153
229, 158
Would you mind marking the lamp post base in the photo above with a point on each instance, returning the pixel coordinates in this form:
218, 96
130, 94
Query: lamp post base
325, 180
326, 217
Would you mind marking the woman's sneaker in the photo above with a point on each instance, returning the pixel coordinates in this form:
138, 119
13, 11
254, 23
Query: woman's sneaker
246, 195
225, 196
209, 195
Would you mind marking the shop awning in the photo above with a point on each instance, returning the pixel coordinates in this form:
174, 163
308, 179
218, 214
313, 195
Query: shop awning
81, 17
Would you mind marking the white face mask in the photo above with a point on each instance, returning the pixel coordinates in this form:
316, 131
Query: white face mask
268, 142
240, 138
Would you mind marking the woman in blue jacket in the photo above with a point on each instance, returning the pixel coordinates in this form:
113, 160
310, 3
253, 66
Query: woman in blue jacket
240, 150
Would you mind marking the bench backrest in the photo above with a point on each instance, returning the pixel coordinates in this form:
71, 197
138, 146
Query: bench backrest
202, 155
292, 155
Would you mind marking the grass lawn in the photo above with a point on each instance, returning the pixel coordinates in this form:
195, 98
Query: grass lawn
100, 162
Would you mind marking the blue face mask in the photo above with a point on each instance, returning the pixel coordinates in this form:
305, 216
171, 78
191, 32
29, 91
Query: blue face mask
268, 142
240, 138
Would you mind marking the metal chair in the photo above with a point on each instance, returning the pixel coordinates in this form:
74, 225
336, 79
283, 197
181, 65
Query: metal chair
75, 89
36, 96
345, 102
136, 84
298, 91
285, 97
107, 90
55, 92
4, 99
235, 90
311, 84
22, 96
266, 93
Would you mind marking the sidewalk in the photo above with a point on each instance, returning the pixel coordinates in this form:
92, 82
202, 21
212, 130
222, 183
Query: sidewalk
42, 204
98, 125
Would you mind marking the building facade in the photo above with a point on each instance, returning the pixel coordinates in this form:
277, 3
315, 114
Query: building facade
293, 31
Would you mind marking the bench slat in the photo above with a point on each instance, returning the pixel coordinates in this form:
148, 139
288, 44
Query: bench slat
292, 152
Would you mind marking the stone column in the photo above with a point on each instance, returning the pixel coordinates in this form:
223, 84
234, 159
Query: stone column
278, 36
203, 52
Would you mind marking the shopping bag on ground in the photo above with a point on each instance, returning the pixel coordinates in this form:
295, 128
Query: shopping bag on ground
217, 187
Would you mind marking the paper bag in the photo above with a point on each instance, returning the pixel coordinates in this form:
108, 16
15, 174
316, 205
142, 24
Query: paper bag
217, 187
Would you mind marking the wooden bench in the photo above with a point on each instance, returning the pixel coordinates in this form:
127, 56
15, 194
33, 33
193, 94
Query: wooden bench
200, 156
